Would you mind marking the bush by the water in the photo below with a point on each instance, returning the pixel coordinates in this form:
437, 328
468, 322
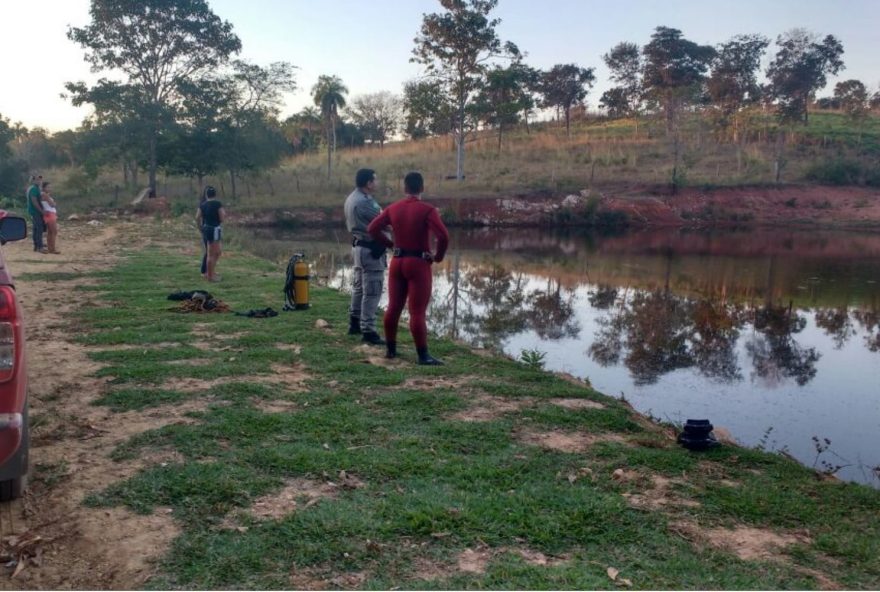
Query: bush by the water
844, 172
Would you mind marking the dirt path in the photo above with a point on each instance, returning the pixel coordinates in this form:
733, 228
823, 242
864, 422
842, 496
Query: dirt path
54, 541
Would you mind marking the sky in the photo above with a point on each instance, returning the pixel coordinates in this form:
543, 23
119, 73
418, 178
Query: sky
369, 44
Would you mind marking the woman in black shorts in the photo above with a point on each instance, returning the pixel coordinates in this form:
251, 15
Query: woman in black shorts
209, 218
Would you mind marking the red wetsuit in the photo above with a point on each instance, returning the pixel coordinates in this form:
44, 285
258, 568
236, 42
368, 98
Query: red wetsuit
409, 277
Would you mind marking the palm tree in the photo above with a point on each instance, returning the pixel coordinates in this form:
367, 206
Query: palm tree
308, 116
329, 95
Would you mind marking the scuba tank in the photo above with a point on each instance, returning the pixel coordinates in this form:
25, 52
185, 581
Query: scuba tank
296, 285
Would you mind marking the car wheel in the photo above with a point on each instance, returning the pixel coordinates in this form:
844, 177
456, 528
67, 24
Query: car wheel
14, 488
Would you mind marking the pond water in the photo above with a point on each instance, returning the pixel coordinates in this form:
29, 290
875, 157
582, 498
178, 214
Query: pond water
772, 334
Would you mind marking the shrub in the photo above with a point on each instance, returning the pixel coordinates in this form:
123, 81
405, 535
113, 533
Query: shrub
836, 172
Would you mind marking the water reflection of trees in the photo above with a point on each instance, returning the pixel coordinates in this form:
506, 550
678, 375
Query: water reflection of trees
836, 323
870, 322
774, 352
657, 332
489, 303
651, 332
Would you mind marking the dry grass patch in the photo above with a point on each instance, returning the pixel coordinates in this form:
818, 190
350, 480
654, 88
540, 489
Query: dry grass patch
537, 558
192, 385
292, 376
209, 332
435, 382
295, 348
658, 495
754, 544
274, 405
567, 441
576, 403
303, 493
746, 542
376, 356
315, 578
143, 347
161, 456
487, 408
477, 560
474, 560
190, 362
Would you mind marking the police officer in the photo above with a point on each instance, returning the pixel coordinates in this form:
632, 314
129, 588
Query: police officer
369, 257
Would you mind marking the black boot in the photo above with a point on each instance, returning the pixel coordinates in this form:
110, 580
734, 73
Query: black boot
425, 359
354, 325
391, 351
372, 338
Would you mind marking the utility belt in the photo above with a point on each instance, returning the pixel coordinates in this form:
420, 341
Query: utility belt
367, 244
413, 253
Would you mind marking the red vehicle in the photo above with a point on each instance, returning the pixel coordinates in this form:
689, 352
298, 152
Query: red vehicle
14, 442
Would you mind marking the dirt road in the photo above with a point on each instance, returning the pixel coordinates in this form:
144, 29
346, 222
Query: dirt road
50, 539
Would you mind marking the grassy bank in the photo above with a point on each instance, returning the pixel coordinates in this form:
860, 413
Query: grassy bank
621, 154
305, 460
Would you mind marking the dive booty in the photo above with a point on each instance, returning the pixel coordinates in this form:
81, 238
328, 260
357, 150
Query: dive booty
697, 435
372, 338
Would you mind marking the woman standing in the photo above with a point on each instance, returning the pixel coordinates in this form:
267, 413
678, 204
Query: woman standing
50, 218
209, 218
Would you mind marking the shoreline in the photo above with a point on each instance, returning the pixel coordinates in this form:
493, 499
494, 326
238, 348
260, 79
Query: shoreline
792, 206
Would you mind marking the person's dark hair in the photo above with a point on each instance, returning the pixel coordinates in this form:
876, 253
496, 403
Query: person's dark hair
364, 176
45, 184
210, 192
413, 183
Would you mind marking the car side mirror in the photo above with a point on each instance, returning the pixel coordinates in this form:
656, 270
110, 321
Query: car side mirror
12, 228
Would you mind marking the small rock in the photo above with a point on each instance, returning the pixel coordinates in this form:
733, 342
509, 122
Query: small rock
618, 475
322, 324
571, 201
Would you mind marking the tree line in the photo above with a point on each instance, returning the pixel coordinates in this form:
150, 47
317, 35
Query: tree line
180, 100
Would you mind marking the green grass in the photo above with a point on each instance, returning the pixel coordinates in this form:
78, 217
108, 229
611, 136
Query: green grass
433, 486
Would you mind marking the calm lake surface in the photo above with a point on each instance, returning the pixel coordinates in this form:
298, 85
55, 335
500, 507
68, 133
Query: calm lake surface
772, 334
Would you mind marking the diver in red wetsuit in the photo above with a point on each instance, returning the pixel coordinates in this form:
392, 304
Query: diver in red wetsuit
409, 276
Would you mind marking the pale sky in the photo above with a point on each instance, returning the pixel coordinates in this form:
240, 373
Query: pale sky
368, 44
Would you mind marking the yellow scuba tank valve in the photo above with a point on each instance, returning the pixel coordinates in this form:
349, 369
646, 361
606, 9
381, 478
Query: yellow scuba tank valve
296, 286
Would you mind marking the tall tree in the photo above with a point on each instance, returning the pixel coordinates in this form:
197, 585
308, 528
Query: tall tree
157, 44
800, 68
299, 130
505, 96
124, 124
329, 96
228, 122
564, 86
624, 60
674, 70
852, 97
427, 110
378, 115
12, 170
455, 47
733, 83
